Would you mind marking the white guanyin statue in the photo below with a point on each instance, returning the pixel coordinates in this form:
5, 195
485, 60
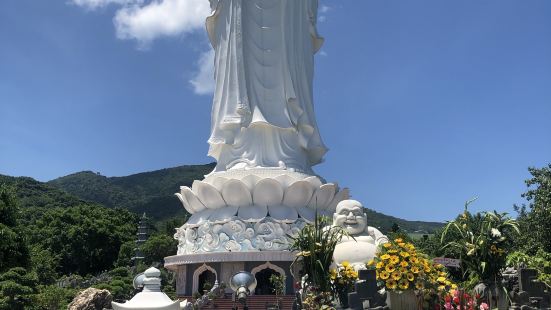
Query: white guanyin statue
362, 248
262, 114
264, 135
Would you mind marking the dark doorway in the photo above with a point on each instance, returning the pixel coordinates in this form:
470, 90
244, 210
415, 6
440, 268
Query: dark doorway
206, 281
263, 286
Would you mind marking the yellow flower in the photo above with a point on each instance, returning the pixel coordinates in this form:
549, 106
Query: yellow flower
333, 274
384, 275
385, 256
371, 262
394, 259
401, 244
410, 276
454, 286
390, 268
345, 264
441, 287
419, 285
441, 279
403, 270
404, 263
413, 259
392, 251
427, 268
415, 269
380, 265
387, 245
404, 284
398, 240
396, 275
404, 254
391, 284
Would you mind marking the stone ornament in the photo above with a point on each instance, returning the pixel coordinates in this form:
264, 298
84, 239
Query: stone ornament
91, 298
150, 297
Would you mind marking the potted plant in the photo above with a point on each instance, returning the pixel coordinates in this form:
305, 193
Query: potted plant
343, 278
483, 241
315, 244
278, 282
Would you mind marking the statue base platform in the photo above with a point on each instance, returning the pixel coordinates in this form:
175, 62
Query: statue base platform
192, 269
244, 220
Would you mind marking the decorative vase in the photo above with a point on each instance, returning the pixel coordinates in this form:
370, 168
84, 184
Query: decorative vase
404, 300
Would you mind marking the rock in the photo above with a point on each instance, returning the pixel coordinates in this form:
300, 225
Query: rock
91, 299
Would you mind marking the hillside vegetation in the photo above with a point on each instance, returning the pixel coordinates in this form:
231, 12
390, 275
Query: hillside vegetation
153, 193
149, 192
33, 193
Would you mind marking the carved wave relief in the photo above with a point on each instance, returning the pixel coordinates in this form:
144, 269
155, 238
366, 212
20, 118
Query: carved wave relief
236, 235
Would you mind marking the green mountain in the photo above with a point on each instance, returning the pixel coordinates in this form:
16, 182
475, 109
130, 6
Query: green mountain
32, 193
149, 192
385, 223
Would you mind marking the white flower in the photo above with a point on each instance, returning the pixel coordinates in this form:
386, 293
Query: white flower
496, 233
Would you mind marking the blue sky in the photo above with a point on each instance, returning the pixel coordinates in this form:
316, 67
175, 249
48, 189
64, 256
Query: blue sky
423, 104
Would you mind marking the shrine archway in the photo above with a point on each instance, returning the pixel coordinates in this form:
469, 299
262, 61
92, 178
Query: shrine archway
262, 274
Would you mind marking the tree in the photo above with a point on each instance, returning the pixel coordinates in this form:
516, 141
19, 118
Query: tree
157, 247
118, 283
52, 297
126, 252
16, 289
13, 249
86, 238
534, 223
44, 264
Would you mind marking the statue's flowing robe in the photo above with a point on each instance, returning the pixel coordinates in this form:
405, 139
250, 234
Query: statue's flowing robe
262, 114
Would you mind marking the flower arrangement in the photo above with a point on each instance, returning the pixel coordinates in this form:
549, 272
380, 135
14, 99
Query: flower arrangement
460, 300
400, 267
343, 279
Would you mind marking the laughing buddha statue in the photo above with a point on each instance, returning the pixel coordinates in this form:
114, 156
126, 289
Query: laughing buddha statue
361, 245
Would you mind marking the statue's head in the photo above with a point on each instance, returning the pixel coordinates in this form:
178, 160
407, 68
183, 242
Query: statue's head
351, 216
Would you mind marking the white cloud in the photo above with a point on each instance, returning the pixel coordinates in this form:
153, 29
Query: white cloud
147, 20
203, 80
95, 4
158, 18
324, 9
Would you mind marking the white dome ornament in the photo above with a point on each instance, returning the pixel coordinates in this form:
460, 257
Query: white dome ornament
151, 297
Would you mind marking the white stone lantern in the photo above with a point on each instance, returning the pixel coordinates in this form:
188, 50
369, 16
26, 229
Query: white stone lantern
151, 297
